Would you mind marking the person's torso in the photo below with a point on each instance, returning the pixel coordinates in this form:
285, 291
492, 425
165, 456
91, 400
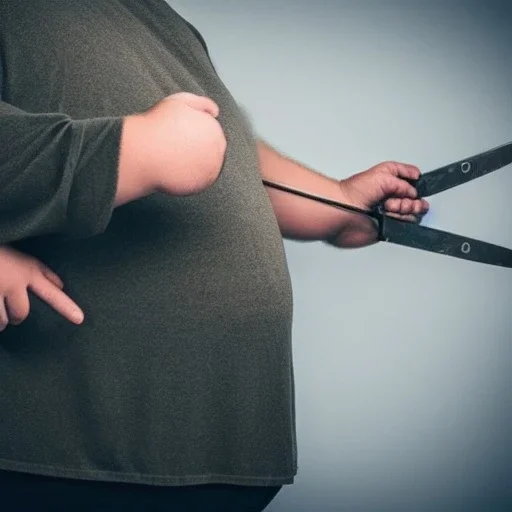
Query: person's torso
186, 300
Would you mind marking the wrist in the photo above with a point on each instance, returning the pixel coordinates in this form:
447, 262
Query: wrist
354, 230
134, 180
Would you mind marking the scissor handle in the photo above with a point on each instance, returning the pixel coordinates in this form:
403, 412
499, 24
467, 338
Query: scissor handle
412, 182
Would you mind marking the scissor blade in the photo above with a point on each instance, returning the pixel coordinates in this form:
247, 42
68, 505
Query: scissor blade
462, 171
442, 242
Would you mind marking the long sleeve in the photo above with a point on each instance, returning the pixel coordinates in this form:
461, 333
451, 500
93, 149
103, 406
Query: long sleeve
57, 175
177, 291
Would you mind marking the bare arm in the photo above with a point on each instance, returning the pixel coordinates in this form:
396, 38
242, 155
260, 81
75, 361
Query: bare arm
303, 219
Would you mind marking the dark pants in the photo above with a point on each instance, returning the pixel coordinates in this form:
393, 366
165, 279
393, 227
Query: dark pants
30, 493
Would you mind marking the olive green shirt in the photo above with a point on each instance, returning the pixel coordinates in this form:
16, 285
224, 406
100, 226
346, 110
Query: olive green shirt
182, 370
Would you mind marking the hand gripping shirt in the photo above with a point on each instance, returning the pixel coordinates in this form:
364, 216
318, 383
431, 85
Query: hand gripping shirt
182, 370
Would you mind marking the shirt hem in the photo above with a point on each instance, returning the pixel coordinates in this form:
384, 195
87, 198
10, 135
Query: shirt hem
145, 479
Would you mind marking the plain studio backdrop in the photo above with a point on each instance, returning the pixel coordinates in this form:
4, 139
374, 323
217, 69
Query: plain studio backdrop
403, 358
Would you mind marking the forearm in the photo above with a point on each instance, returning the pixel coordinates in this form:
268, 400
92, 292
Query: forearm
301, 218
57, 175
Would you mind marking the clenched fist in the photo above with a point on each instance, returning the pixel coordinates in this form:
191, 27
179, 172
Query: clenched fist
385, 183
177, 147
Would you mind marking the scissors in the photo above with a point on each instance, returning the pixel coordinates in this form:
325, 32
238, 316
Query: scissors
411, 234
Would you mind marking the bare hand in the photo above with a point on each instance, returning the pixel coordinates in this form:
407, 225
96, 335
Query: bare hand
383, 184
176, 147
19, 273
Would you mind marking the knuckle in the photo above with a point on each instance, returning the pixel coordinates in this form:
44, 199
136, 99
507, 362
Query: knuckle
18, 313
17, 317
390, 165
33, 268
45, 290
47, 294
389, 181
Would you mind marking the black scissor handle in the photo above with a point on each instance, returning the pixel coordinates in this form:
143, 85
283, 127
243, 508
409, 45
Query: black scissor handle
463, 171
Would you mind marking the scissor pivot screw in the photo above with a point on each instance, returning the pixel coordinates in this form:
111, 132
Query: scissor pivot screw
465, 248
465, 167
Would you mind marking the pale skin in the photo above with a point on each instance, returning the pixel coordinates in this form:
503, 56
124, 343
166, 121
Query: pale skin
173, 130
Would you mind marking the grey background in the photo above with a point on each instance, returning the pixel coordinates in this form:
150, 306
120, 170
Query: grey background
403, 358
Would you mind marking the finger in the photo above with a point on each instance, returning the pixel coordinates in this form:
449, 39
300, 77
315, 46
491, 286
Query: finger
392, 205
57, 299
396, 187
17, 306
403, 170
51, 275
197, 102
408, 218
4, 319
421, 207
400, 205
404, 206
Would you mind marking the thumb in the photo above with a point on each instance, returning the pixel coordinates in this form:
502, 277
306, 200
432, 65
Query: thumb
201, 103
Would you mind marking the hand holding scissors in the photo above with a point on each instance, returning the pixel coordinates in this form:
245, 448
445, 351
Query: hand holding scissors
410, 234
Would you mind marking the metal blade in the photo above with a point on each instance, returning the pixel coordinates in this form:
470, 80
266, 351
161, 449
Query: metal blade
462, 171
413, 235
442, 242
